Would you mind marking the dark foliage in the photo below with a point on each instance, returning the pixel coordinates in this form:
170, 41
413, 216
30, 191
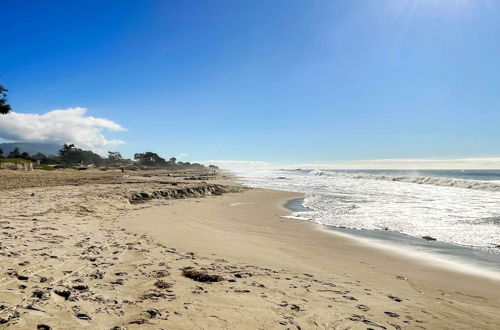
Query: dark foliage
114, 157
200, 276
70, 154
150, 159
4, 106
14, 153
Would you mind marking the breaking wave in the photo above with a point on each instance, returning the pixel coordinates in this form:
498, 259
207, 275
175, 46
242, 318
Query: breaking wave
454, 208
435, 181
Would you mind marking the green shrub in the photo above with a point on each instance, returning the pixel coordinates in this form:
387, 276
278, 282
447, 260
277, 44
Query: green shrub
44, 167
14, 160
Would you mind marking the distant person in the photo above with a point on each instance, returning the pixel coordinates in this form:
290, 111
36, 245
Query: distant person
123, 170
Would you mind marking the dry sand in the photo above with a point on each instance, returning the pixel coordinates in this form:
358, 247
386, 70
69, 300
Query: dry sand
79, 254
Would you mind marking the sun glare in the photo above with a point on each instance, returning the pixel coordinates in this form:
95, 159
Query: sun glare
438, 7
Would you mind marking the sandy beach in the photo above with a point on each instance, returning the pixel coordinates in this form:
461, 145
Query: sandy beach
157, 249
264, 165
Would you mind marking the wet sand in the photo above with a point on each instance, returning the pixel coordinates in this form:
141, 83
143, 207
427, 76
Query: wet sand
464, 258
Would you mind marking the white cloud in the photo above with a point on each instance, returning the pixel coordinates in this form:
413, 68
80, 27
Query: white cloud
236, 164
181, 155
408, 164
60, 126
370, 164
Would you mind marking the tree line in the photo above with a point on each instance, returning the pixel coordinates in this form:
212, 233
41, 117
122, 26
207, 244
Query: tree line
71, 155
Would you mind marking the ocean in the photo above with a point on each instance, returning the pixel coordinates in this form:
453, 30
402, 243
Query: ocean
457, 211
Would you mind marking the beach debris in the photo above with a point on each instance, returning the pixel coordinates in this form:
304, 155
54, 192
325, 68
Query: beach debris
44, 279
361, 318
241, 274
391, 314
43, 327
63, 293
81, 287
370, 322
428, 238
159, 273
98, 275
396, 326
83, 316
160, 284
39, 294
118, 281
241, 291
395, 298
4, 320
151, 313
157, 295
201, 276
22, 278
34, 308
199, 290
139, 321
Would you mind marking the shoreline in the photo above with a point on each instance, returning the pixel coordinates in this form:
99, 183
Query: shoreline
461, 258
315, 230
249, 227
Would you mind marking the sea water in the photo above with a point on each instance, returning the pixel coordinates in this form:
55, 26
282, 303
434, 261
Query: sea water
459, 209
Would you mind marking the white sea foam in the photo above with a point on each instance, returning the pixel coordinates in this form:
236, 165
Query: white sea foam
458, 211
435, 181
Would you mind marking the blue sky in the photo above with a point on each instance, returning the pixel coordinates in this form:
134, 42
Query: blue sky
276, 81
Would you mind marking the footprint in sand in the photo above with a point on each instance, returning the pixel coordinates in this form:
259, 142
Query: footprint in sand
363, 308
397, 299
391, 314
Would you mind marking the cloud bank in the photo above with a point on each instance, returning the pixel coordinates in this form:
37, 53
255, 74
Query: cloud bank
408, 164
236, 164
60, 126
479, 163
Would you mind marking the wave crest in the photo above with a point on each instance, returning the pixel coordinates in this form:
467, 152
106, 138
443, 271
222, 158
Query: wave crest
428, 180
